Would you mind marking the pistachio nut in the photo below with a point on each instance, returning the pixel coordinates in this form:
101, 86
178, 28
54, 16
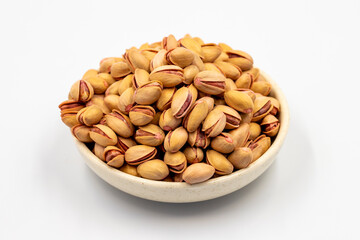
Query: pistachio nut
209, 101
246, 80
164, 101
263, 87
195, 116
90, 73
98, 150
181, 102
169, 42
219, 162
129, 169
198, 63
180, 56
222, 58
81, 91
99, 85
112, 89
230, 70
210, 52
198, 139
156, 118
105, 64
241, 134
107, 78
193, 155
153, 170
262, 107
210, 82
169, 75
112, 101
103, 135
99, 100
241, 157
239, 100
125, 83
270, 125
255, 72
176, 162
225, 47
259, 146
126, 100
120, 123
71, 105
140, 78
89, 115
148, 93
223, 143
125, 143
189, 73
150, 135
119, 70
212, 67
69, 117
214, 123
233, 118
167, 121
158, 60
194, 93
255, 130
141, 115
135, 59
113, 156
198, 172
175, 139
246, 117
149, 53
276, 106
192, 45
138, 154
81, 132
241, 59
230, 84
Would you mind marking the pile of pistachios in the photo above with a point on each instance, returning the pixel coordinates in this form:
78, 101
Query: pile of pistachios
174, 110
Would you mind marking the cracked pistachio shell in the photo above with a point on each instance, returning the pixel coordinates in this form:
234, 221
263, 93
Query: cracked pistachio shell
119, 69
225, 47
229, 84
270, 125
169, 75
263, 88
180, 56
193, 155
99, 100
198, 139
98, 150
135, 60
69, 117
194, 93
138, 154
113, 156
195, 116
245, 80
149, 53
189, 73
181, 102
192, 45
125, 143
241, 134
175, 139
230, 70
120, 123
71, 105
81, 132
164, 101
148, 93
89, 115
233, 118
219, 162
141, 115
241, 59
210, 102
158, 60
156, 118
99, 85
113, 88
112, 101
153, 170
90, 73
167, 121
169, 42
198, 63
255, 72
276, 106
210, 82
241, 157
150, 135
176, 162
81, 91
105, 64
211, 52
198, 172
223, 143
125, 84
259, 146
129, 169
140, 78
255, 130
214, 123
262, 107
223, 57
212, 67
239, 100
126, 100
103, 135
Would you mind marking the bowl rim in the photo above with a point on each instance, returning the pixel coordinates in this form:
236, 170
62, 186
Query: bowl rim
273, 150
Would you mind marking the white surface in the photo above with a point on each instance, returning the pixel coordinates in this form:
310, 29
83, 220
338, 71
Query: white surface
311, 48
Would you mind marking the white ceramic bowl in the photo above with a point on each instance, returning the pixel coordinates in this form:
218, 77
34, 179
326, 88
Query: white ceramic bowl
181, 192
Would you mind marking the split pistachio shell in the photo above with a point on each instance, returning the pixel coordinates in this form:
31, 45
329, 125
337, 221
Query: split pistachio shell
198, 172
169, 75
196, 115
120, 123
219, 162
209, 101
98, 150
175, 139
154, 170
149, 53
126, 100
158, 60
176, 162
180, 56
233, 118
210, 82
164, 101
181, 102
71, 105
241, 157
125, 143
276, 106
211, 52
148, 93
261, 87
168, 122
125, 83
192, 45
229, 84
103, 135
194, 93
239, 100
259, 146
129, 169
113, 156
198, 63
119, 69
81, 132
169, 42
241, 59
193, 155
89, 115
112, 101
241, 134
230, 70
223, 143
270, 125
135, 60
255, 72
99, 85
138, 154
140, 78
150, 135
105, 64
262, 107
69, 118
246, 80
214, 123
189, 73
255, 130
141, 115
222, 58
107, 78
81, 91
198, 139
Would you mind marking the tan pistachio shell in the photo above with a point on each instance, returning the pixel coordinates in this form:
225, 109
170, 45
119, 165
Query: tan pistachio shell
119, 70
181, 102
175, 139
276, 106
233, 118
197, 173
81, 133
164, 101
135, 60
241, 59
167, 121
193, 155
81, 91
176, 162
112, 89
169, 75
125, 143
125, 83
192, 45
239, 100
262, 107
71, 105
263, 88
98, 150
214, 123
241, 157
90, 73
103, 135
129, 169
140, 78
246, 80
198, 139
158, 60
69, 118
138, 154
112, 102
180, 56
219, 162
89, 115
141, 115
126, 100
255, 130
241, 134
211, 52
270, 125
150, 135
195, 116
259, 146
148, 93
255, 72
113, 156
169, 42
223, 143
120, 123
153, 170
230, 70
189, 73
210, 82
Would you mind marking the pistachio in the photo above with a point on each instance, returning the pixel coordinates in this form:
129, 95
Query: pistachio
112, 101
119, 70
150, 135
263, 88
219, 162
210, 82
98, 150
181, 102
148, 93
195, 116
120, 123
164, 101
168, 179
262, 107
259, 146
140, 78
219, 101
138, 154
113, 156
233, 118
180, 56
223, 143
169, 75
241, 134
198, 63
156, 45
105, 64
241, 157
125, 143
189, 73
169, 42
209, 101
214, 123
240, 59
158, 60
177, 177
156, 118
112, 89
175, 139
129, 169
69, 117
239, 100
276, 106
198, 139
125, 84
212, 67
103, 135
90, 73
99, 85
211, 52
225, 47
230, 70
81, 132
71, 105
255, 130
230, 84
154, 170
193, 155
246, 80
246, 117
135, 59
198, 172
176, 162
126, 100
270, 125
255, 72
194, 93
141, 115
199, 40
107, 78
149, 53
192, 45
89, 115
144, 46
81, 91
167, 121
222, 58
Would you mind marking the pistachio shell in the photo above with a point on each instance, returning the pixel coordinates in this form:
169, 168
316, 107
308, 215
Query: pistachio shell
90, 73
259, 146
112, 101
223, 143
193, 155
263, 88
167, 121
98, 150
210, 82
125, 84
169, 75
241, 59
219, 162
99, 85
89, 115
262, 107
194, 93
176, 162
180, 56
230, 70
212, 67
255, 130
148, 93
129, 169
135, 59
69, 118
81, 91
169, 42
233, 118
120, 123
241, 134
214, 123
149, 53
140, 78
198, 139
105, 64
154, 170
141, 115
112, 89
246, 117
113, 156
229, 84
195, 116
198, 172
71, 105
245, 80
175, 139
198, 63
255, 72
225, 47
209, 101
189, 73
156, 118
81, 132
181, 102
126, 100
138, 154
107, 78
192, 45
241, 157
125, 143
158, 60
276, 106
103, 135
239, 100
270, 125
210, 52
164, 101
150, 135
119, 69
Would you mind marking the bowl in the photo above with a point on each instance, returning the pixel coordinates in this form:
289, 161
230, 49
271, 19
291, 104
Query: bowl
176, 192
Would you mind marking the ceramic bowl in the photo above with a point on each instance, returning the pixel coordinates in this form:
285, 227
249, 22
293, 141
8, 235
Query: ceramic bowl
181, 192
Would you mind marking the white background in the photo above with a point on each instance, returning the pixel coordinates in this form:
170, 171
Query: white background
311, 48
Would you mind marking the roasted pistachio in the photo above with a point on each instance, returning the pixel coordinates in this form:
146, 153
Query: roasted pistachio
129, 169
164, 101
261, 87
169, 42
241, 157
150, 135
89, 115
103, 135
210, 52
168, 122
81, 91
126, 100
214, 123
169, 75
239, 100
180, 56
259, 146
233, 118
156, 118
125, 143
141, 115
241, 134
246, 80
81, 132
270, 125
209, 101
120, 123
198, 139
229, 84
194, 93
140, 78
195, 116
219, 162
69, 117
119, 69
262, 107
181, 102
176, 162
112, 101
154, 170
71, 105
105, 64
255, 72
223, 143
158, 60
230, 70
241, 59
225, 47
255, 130
99, 100
107, 78
193, 155
125, 83
198, 172
148, 93
192, 45
246, 117
189, 73
90, 73
198, 63
98, 150
138, 154
276, 106
149, 53
210, 82
99, 85
135, 60
113, 156
175, 139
